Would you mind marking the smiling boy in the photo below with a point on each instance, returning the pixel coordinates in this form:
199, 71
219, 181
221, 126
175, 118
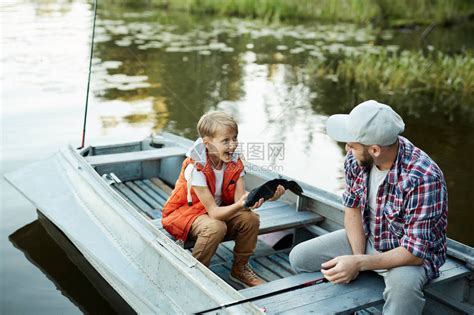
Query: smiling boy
207, 202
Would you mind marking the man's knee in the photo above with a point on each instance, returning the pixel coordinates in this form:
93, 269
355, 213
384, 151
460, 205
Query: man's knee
404, 283
298, 259
402, 292
308, 256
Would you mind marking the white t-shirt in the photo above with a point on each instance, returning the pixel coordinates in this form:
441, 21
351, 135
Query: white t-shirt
376, 178
199, 179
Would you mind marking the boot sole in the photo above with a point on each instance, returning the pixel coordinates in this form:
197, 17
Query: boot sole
239, 281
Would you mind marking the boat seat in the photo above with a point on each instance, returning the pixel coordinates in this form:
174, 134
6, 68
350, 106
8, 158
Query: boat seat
161, 153
149, 196
274, 216
327, 298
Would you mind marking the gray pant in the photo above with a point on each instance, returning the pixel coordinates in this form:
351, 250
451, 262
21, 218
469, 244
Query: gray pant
403, 292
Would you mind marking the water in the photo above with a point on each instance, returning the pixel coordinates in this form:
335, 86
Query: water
157, 72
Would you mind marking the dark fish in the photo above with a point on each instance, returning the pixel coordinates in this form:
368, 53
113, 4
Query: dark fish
267, 190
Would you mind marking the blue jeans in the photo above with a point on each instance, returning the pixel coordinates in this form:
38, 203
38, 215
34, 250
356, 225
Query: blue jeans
403, 292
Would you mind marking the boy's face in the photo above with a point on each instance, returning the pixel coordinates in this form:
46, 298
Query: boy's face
222, 145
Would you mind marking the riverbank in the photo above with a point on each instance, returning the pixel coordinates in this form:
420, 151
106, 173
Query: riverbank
386, 13
403, 77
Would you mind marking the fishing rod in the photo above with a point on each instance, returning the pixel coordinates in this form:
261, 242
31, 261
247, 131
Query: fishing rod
258, 297
89, 78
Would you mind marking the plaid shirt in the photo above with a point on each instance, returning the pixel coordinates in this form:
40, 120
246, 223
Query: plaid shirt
412, 205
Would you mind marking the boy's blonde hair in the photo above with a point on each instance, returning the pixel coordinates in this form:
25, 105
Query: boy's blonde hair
211, 122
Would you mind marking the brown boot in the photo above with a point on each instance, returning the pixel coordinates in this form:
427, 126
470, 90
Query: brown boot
242, 273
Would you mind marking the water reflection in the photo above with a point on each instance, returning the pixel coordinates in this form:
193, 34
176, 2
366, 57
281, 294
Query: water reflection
46, 247
197, 63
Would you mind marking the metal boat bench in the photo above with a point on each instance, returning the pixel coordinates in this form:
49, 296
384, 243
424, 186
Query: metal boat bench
127, 157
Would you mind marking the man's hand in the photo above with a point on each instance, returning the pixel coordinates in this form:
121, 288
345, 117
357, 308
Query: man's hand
342, 269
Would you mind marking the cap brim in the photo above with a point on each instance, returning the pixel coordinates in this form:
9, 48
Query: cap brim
336, 128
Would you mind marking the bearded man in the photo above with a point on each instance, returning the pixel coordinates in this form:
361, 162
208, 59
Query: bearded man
396, 208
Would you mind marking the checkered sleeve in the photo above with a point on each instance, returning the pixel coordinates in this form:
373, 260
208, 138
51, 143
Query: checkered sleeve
425, 218
349, 198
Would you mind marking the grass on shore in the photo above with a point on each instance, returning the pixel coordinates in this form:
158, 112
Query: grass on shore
445, 79
388, 12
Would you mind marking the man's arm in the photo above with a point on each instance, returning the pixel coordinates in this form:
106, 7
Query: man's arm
354, 230
424, 211
396, 257
344, 269
351, 200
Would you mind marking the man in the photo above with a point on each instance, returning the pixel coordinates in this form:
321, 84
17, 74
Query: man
396, 208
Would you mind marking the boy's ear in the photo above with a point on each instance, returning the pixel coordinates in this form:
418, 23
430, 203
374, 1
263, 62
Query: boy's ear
205, 140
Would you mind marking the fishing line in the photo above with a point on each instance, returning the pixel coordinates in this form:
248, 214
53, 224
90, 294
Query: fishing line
258, 297
89, 78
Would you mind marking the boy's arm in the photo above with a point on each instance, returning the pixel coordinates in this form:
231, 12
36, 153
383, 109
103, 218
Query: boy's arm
239, 189
213, 210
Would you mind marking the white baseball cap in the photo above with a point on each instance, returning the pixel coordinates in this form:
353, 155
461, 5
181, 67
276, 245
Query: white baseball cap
368, 123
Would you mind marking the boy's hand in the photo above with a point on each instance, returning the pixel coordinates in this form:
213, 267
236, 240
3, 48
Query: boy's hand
243, 199
278, 193
257, 204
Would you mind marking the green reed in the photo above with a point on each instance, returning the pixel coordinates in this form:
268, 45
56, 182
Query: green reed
444, 79
361, 11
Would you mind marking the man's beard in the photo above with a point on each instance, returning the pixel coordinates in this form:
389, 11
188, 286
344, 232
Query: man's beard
367, 159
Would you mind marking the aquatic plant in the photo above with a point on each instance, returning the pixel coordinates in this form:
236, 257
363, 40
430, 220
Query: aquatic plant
448, 80
400, 12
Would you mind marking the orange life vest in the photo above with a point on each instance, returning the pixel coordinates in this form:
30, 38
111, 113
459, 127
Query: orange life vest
178, 214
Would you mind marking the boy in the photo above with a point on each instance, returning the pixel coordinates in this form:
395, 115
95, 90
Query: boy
207, 202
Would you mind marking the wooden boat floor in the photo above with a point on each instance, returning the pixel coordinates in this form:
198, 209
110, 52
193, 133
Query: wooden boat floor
268, 264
